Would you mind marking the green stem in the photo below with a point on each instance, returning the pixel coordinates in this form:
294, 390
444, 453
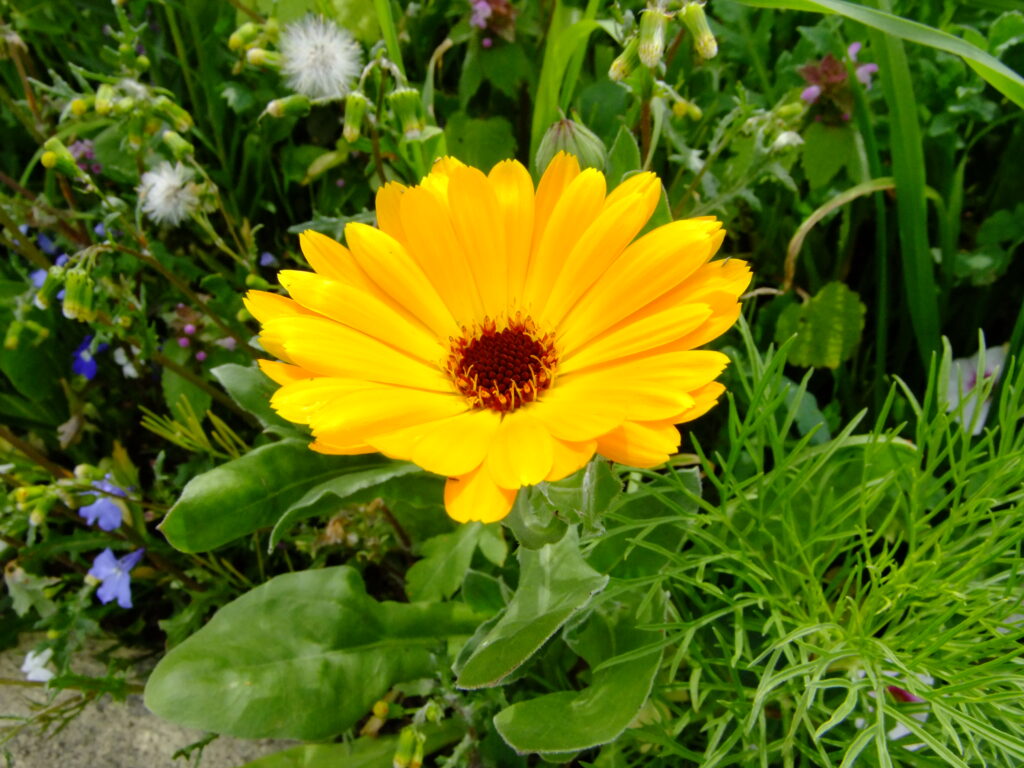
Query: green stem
389, 32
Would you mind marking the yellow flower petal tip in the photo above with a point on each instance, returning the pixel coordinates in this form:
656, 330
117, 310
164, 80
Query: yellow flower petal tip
501, 334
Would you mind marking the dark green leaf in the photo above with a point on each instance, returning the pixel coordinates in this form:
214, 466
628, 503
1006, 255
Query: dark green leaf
555, 582
480, 142
623, 157
251, 389
446, 559
303, 656
828, 327
250, 493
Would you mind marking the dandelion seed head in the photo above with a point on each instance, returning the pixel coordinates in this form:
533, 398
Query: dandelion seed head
168, 194
319, 59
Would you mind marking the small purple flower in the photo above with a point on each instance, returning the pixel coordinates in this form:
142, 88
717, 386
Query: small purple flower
481, 13
811, 93
104, 511
853, 50
200, 355
83, 361
38, 278
100, 230
189, 329
113, 573
864, 73
61, 260
46, 245
183, 341
267, 259
486, 42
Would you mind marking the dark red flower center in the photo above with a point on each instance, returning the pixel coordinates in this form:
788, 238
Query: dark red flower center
502, 369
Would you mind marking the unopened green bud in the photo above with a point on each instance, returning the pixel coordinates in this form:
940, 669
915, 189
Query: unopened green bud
356, 105
651, 48
417, 751
104, 99
295, 105
626, 61
405, 748
261, 57
50, 287
242, 36
179, 117
686, 108
142, 63
408, 108
78, 295
792, 109
696, 21
178, 146
272, 27
124, 105
37, 517
13, 335
56, 155
576, 139
79, 107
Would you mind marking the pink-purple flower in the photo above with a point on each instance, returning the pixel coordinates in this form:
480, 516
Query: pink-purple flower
104, 511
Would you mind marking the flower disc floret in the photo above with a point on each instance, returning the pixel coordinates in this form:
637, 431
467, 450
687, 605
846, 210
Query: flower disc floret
502, 369
501, 334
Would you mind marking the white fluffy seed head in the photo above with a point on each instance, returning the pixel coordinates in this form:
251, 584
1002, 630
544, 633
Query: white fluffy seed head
167, 194
319, 59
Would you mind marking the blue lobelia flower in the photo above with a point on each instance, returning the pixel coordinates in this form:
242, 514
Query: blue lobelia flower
104, 511
113, 575
83, 360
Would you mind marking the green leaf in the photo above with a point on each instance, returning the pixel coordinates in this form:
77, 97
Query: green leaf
623, 157
361, 484
1004, 79
175, 387
585, 494
446, 559
362, 753
251, 389
250, 493
303, 656
480, 142
826, 149
555, 582
569, 721
827, 328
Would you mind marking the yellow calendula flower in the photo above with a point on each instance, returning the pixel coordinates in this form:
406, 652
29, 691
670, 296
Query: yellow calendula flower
501, 335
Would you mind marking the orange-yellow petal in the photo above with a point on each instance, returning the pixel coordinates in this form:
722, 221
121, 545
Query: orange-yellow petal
569, 457
388, 209
480, 228
514, 189
475, 496
451, 446
283, 373
522, 451
640, 444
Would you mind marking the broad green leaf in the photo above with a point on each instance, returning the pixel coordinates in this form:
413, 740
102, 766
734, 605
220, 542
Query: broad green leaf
303, 656
480, 142
1000, 76
363, 482
586, 494
569, 721
251, 389
533, 521
446, 559
555, 582
828, 327
250, 493
361, 753
826, 149
623, 157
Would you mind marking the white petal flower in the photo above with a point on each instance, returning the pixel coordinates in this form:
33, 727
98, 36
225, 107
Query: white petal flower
963, 378
319, 59
167, 194
34, 666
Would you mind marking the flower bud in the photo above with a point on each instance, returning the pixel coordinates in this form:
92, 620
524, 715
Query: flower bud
356, 105
50, 287
295, 105
696, 21
78, 295
13, 335
651, 48
178, 146
142, 63
576, 139
124, 105
261, 57
56, 155
79, 107
686, 108
380, 709
405, 748
408, 108
242, 36
104, 99
37, 517
626, 61
179, 117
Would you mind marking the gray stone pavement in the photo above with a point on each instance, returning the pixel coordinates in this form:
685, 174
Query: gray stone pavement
107, 734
